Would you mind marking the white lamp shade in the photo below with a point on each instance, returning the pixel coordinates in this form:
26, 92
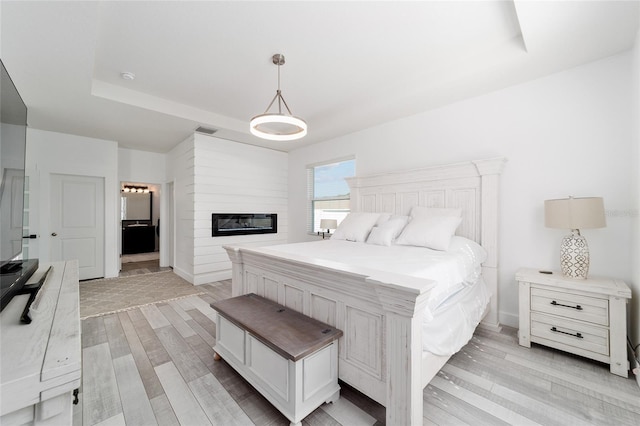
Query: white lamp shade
328, 223
574, 213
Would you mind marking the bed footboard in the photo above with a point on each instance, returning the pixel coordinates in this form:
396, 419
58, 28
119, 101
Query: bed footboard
380, 353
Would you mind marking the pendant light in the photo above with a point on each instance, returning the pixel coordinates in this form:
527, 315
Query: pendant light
278, 126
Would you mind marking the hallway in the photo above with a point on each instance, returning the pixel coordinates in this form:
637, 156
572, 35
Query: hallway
142, 263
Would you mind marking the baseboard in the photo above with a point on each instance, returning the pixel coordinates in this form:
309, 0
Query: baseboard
184, 275
510, 320
212, 277
204, 278
491, 327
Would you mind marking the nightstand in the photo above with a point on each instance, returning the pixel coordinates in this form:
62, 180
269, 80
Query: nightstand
584, 317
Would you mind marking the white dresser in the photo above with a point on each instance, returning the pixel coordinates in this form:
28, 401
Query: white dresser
584, 317
41, 362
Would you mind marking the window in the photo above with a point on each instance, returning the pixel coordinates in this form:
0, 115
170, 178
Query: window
328, 191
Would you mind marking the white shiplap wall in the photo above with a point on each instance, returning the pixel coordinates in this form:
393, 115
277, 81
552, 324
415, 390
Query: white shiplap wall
180, 170
214, 175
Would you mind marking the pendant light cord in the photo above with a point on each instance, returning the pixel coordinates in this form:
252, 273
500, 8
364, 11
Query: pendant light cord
279, 93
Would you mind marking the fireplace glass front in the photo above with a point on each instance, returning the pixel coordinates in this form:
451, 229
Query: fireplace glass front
227, 224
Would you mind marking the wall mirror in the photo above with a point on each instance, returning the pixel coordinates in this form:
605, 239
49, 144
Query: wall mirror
136, 205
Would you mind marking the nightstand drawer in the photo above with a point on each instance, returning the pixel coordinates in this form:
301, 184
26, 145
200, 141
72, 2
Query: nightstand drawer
582, 308
570, 333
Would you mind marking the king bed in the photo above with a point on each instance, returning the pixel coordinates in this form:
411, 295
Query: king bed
405, 305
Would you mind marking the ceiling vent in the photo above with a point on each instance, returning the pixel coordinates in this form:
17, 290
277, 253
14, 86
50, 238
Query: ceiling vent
205, 130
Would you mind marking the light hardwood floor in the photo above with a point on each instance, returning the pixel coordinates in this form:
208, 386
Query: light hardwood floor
154, 365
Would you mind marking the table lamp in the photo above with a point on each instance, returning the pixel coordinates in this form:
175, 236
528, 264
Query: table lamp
574, 214
328, 224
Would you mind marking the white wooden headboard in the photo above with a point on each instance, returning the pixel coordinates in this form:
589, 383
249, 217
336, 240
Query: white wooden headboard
472, 186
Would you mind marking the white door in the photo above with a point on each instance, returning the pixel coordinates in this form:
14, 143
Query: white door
77, 222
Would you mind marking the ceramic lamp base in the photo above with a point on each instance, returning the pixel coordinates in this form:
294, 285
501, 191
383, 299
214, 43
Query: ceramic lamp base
574, 255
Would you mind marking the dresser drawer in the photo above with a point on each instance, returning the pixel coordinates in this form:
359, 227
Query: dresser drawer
570, 333
582, 308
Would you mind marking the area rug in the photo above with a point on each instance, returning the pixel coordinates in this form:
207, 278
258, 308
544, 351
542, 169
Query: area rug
106, 296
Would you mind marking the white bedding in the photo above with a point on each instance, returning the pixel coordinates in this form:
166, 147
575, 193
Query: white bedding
455, 305
455, 320
458, 267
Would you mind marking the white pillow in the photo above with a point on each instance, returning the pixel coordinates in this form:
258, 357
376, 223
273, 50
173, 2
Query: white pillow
398, 223
355, 227
433, 232
380, 236
388, 231
383, 218
419, 211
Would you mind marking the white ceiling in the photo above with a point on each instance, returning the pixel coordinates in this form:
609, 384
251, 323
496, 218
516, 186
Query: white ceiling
349, 65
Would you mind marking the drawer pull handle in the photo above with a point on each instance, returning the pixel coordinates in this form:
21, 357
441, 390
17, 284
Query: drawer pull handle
578, 307
578, 335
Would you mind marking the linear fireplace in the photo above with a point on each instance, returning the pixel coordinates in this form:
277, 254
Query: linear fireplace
227, 224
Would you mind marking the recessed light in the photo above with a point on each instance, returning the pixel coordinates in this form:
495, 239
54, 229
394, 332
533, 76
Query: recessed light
128, 75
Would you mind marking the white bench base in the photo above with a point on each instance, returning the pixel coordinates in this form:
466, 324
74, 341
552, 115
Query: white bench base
295, 388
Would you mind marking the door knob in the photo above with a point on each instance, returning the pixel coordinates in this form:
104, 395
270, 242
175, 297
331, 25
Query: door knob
53, 234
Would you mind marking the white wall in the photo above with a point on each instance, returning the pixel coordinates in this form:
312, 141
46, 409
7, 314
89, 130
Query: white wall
57, 153
214, 175
141, 166
565, 134
635, 197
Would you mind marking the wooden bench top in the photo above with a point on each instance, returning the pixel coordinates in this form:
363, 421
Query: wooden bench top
287, 332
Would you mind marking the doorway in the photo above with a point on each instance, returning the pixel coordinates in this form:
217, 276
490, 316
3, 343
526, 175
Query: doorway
140, 228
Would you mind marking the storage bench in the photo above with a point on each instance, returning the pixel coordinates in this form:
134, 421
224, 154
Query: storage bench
290, 358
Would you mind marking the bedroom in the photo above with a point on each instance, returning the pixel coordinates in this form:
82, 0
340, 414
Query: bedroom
569, 132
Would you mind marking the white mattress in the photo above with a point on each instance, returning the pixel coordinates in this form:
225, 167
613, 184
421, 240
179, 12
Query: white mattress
456, 304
